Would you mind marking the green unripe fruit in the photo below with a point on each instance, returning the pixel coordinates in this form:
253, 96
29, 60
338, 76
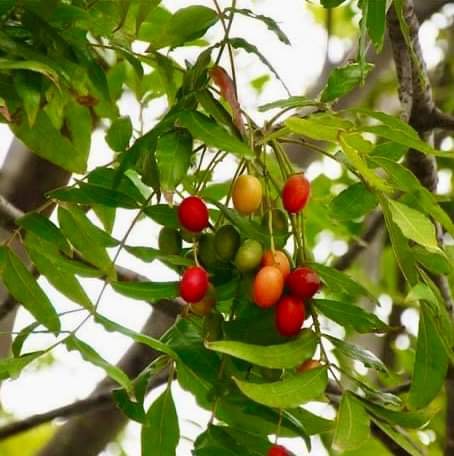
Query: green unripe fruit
226, 242
212, 326
279, 221
187, 236
169, 241
248, 256
206, 251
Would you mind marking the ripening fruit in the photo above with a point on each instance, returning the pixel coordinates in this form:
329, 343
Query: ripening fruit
194, 284
248, 256
295, 193
278, 450
226, 242
169, 241
204, 306
303, 282
247, 194
290, 313
193, 214
205, 251
279, 221
268, 286
278, 259
308, 365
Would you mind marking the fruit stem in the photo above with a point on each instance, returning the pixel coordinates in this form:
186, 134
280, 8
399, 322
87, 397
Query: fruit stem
270, 209
299, 247
278, 429
194, 250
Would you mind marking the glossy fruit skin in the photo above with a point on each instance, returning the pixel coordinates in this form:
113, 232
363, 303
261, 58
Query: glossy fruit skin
226, 242
290, 313
206, 251
249, 255
303, 282
247, 194
278, 450
193, 214
278, 259
308, 365
268, 286
169, 241
194, 284
295, 193
206, 304
279, 221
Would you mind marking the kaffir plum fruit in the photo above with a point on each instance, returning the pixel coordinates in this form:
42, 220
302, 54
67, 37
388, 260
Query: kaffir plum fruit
295, 193
194, 284
278, 450
268, 286
290, 313
226, 242
247, 194
206, 304
278, 259
308, 365
193, 214
303, 282
206, 251
248, 256
169, 241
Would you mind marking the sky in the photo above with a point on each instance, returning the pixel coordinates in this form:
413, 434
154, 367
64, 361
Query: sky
70, 378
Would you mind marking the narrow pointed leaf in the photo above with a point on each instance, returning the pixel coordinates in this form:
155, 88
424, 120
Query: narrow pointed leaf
147, 291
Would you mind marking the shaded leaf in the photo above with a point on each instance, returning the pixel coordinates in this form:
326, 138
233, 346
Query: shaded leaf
119, 134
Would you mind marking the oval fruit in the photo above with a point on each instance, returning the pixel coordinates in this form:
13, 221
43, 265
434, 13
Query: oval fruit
204, 306
279, 259
303, 282
278, 450
279, 221
205, 251
193, 214
290, 313
248, 256
308, 365
169, 241
194, 284
268, 286
247, 194
226, 242
295, 193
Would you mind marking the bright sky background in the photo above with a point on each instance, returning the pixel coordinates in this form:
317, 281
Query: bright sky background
70, 378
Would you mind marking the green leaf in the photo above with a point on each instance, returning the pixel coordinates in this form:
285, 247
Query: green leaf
352, 424
281, 356
11, 367
353, 202
434, 262
313, 424
431, 362
321, 128
149, 254
30, 65
89, 354
28, 88
132, 409
212, 134
357, 353
241, 43
47, 264
119, 134
173, 155
163, 215
161, 29
20, 339
290, 392
414, 225
351, 316
147, 291
291, 102
331, 3
25, 289
376, 19
86, 237
343, 80
42, 227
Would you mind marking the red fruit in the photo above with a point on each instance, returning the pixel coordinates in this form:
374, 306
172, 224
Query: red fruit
295, 193
194, 284
193, 214
278, 450
268, 286
303, 282
290, 313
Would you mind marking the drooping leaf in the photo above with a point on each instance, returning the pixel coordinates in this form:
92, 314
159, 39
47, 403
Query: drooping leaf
281, 356
349, 315
291, 102
376, 20
119, 134
352, 424
343, 80
353, 202
147, 291
28, 88
11, 367
163, 215
24, 288
290, 392
20, 339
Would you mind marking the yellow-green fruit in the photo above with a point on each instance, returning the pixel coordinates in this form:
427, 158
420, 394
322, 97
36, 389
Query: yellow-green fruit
279, 221
247, 194
248, 256
226, 242
204, 306
169, 241
206, 251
